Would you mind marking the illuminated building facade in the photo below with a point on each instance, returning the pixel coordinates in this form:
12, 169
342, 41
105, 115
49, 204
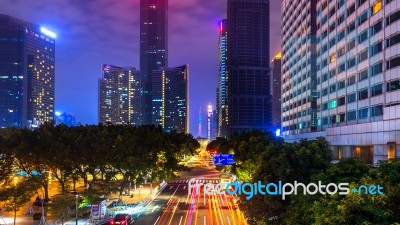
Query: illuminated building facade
153, 48
276, 78
248, 85
171, 98
299, 91
222, 91
119, 95
211, 125
27, 73
358, 81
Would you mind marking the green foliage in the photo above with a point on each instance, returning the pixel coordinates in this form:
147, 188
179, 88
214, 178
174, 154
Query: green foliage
97, 154
18, 193
62, 207
261, 157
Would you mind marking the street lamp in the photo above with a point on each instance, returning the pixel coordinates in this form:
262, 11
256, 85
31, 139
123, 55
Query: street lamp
76, 210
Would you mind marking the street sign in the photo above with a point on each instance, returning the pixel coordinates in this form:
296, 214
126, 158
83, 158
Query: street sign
223, 159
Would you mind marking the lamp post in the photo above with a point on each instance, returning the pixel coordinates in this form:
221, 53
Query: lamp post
76, 210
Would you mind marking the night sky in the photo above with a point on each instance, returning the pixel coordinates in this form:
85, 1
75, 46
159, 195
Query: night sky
93, 32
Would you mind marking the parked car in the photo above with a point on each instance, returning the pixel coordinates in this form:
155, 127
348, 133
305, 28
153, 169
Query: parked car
121, 219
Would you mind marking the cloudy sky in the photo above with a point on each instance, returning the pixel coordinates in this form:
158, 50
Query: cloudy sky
93, 32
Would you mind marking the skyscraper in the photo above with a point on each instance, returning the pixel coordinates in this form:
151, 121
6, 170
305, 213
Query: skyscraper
119, 95
276, 77
299, 92
249, 96
153, 47
222, 91
357, 76
211, 134
27, 73
171, 98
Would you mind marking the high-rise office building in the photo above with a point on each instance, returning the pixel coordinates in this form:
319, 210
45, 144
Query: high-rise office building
27, 73
119, 95
276, 78
171, 98
153, 47
222, 91
249, 96
211, 123
299, 92
358, 78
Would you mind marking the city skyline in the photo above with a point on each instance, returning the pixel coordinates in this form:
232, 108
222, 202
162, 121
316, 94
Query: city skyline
88, 36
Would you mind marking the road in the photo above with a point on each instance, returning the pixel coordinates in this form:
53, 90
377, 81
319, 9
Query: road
176, 206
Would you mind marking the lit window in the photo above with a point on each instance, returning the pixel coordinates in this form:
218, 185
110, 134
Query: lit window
377, 7
333, 57
392, 151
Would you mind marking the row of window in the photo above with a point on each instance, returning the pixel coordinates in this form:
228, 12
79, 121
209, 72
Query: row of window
363, 113
363, 35
375, 8
362, 75
350, 98
352, 115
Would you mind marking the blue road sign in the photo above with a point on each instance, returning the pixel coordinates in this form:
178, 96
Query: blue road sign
223, 159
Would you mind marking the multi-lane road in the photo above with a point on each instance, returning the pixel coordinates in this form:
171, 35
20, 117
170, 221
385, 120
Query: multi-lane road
176, 205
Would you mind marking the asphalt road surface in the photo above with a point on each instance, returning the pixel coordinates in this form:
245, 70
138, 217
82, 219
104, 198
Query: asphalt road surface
175, 205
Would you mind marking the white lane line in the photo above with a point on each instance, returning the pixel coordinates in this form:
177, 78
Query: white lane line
184, 187
180, 221
171, 187
204, 220
173, 194
229, 222
138, 216
173, 212
155, 207
157, 220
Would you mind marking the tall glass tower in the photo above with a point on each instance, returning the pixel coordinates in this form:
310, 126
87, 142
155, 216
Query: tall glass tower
153, 48
27, 70
249, 96
171, 98
222, 91
119, 96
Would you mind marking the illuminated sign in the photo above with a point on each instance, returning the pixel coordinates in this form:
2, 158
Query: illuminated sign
47, 32
223, 159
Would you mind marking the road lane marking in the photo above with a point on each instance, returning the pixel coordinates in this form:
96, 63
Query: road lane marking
171, 187
204, 220
184, 187
157, 220
229, 222
173, 194
173, 212
155, 207
180, 221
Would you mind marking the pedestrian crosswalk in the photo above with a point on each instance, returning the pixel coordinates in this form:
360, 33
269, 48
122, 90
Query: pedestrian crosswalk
201, 181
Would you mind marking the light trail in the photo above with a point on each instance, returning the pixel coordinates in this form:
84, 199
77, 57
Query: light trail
173, 212
157, 220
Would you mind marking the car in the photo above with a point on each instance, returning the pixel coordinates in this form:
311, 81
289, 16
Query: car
121, 219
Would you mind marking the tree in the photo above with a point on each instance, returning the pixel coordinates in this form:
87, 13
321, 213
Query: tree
7, 144
62, 206
261, 157
18, 194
